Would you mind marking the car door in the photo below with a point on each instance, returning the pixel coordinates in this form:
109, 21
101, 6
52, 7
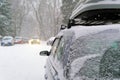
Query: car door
55, 62
50, 66
58, 60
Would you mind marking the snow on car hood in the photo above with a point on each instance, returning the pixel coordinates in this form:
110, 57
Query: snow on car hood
85, 30
78, 64
87, 48
9, 40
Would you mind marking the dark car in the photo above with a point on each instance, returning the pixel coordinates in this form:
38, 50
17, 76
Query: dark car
90, 48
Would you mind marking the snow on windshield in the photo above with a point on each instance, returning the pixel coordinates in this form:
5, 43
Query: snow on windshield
88, 51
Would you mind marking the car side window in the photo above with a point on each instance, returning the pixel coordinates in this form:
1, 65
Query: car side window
59, 51
54, 46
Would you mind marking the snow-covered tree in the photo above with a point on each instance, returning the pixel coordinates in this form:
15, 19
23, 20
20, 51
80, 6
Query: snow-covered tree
19, 10
67, 7
5, 18
48, 16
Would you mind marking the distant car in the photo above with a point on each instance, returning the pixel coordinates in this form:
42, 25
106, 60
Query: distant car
18, 40
34, 41
7, 41
25, 40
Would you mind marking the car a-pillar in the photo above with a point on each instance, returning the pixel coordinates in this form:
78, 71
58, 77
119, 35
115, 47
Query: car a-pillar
71, 23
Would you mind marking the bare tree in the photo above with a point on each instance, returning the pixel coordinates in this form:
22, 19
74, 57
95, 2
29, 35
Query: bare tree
46, 13
57, 15
39, 18
48, 16
20, 8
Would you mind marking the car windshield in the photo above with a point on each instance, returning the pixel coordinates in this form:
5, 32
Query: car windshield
35, 37
99, 17
99, 54
18, 38
7, 38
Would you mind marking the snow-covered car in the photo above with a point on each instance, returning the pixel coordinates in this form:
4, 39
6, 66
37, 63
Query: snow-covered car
34, 41
7, 41
50, 41
90, 48
18, 40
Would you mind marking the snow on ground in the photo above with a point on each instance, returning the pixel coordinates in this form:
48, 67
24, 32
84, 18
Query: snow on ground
22, 62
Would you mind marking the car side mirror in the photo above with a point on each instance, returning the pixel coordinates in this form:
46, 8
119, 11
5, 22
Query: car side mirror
63, 27
44, 53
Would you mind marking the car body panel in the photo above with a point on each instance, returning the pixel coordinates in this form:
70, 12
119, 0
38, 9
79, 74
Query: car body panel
54, 66
87, 42
86, 5
87, 52
18, 40
90, 36
50, 41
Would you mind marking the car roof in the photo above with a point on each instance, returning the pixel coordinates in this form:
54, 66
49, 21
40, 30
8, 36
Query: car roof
18, 37
86, 5
7, 37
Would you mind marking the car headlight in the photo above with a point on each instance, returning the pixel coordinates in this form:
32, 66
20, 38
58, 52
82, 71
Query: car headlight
38, 40
31, 40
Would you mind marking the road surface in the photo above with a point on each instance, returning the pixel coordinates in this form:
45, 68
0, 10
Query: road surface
22, 62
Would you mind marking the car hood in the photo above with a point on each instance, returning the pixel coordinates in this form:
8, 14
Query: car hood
87, 30
89, 47
6, 40
80, 66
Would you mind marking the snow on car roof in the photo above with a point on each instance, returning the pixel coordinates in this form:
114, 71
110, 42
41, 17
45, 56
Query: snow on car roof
7, 37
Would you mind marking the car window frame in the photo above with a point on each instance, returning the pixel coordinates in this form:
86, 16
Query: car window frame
58, 54
55, 46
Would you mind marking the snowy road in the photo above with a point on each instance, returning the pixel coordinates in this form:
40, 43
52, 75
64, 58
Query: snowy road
22, 62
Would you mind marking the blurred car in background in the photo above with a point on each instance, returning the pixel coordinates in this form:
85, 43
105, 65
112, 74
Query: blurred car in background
7, 41
34, 41
18, 40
